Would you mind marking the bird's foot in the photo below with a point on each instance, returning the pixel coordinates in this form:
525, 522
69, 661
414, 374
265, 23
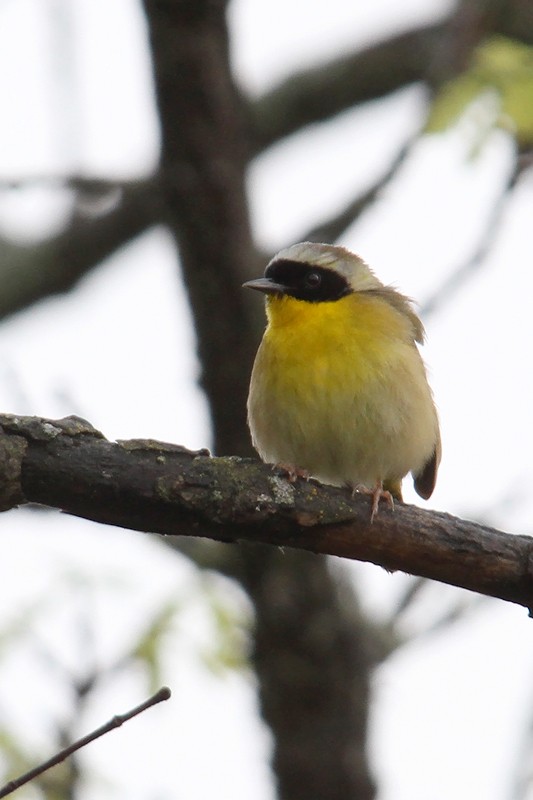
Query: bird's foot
377, 493
291, 472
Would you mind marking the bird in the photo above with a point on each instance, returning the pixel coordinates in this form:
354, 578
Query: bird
338, 390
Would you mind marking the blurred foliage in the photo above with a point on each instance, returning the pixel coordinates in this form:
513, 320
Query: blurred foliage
56, 784
502, 68
15, 760
222, 644
229, 646
147, 649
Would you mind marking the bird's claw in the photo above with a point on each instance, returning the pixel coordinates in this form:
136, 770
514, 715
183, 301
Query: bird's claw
291, 472
377, 493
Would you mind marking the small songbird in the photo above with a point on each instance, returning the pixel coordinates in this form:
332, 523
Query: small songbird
339, 390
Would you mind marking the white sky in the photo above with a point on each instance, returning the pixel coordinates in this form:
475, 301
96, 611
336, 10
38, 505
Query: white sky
450, 708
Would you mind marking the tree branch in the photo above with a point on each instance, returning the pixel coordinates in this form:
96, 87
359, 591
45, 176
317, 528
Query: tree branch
319, 93
163, 488
432, 54
29, 273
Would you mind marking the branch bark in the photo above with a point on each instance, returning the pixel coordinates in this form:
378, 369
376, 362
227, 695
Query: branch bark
164, 488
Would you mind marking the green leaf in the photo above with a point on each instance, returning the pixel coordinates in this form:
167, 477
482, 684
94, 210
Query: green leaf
502, 67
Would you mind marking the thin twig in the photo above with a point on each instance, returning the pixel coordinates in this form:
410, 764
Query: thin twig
457, 278
331, 229
115, 722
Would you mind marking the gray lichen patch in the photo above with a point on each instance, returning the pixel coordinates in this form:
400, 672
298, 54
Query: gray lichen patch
38, 429
282, 491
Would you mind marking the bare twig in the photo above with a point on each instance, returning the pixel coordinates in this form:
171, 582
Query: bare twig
456, 278
115, 722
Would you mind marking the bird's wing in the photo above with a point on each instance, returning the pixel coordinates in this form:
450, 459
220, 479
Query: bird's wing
404, 305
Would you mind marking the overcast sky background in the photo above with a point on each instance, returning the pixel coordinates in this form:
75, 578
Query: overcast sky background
451, 707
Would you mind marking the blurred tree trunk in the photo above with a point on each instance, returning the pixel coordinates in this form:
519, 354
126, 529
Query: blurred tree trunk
310, 651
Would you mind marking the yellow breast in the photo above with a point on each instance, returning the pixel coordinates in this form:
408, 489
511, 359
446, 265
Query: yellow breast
339, 388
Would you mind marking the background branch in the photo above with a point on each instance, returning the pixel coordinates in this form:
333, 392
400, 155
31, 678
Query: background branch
316, 94
431, 54
30, 273
457, 277
331, 229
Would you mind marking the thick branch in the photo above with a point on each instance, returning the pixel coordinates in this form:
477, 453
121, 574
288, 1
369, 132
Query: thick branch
151, 486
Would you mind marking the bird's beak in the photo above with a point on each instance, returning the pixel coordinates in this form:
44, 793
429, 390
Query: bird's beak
265, 285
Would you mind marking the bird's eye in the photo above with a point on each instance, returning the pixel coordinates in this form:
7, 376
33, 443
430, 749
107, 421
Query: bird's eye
313, 279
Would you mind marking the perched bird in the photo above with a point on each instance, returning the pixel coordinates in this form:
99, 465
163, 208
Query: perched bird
338, 389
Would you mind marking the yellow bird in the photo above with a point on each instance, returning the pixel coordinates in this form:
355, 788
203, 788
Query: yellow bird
339, 390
